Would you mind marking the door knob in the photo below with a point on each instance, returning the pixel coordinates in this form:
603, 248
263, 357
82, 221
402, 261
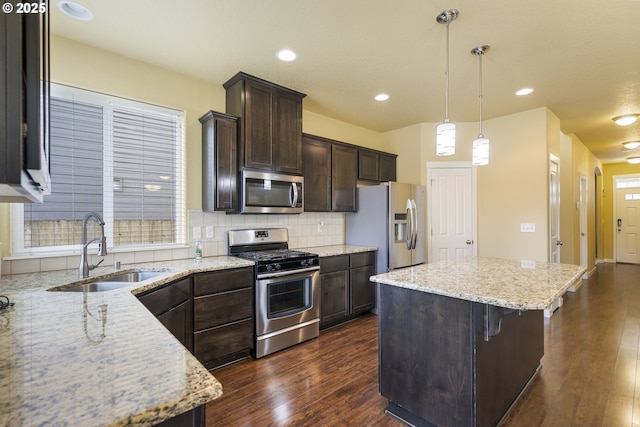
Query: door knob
469, 242
559, 243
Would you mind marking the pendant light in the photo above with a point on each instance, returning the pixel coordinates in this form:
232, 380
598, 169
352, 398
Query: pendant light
446, 131
480, 154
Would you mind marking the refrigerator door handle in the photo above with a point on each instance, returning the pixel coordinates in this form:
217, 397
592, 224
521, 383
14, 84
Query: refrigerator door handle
414, 228
410, 224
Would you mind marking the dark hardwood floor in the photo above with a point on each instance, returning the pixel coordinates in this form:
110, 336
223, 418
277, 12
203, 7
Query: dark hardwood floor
590, 372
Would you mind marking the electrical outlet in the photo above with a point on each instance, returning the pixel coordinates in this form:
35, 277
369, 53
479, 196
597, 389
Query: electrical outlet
320, 226
197, 233
527, 227
209, 231
525, 263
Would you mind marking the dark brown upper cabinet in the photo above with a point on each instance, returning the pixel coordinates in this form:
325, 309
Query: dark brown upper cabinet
332, 169
270, 131
316, 165
219, 162
387, 167
376, 166
330, 175
344, 177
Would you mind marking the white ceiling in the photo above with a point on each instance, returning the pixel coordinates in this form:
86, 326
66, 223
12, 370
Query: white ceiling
582, 57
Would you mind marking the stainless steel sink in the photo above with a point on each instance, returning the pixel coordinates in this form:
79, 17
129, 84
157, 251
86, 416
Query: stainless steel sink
109, 283
133, 276
92, 287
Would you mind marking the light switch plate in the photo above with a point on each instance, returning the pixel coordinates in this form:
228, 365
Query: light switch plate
527, 227
197, 233
209, 231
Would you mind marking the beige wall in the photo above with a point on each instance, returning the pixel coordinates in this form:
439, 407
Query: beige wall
316, 124
513, 188
586, 165
408, 143
609, 171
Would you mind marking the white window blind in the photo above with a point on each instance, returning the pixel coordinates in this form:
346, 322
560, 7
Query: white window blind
119, 158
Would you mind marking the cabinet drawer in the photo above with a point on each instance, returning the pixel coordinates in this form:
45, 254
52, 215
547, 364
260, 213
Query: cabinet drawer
360, 260
221, 308
218, 343
334, 263
161, 300
220, 281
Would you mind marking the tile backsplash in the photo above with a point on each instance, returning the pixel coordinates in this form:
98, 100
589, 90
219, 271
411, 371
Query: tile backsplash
305, 230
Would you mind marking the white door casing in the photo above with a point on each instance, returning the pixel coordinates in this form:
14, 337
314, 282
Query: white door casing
451, 196
554, 209
626, 222
584, 188
584, 235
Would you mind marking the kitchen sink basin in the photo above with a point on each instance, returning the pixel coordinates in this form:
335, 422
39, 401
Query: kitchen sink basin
93, 287
109, 283
133, 276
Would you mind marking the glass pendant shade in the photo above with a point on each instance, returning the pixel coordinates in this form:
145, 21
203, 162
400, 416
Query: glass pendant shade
480, 151
446, 139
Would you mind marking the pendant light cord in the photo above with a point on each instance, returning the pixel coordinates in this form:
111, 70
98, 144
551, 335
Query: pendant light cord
480, 96
446, 85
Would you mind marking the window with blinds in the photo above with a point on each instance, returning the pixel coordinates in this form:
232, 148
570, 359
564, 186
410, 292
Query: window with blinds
120, 158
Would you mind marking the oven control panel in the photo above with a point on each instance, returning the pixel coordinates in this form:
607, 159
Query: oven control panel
288, 264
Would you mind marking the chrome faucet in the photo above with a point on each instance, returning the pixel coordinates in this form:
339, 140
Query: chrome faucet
85, 267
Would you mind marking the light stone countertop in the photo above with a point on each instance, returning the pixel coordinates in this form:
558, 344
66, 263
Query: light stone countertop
499, 282
62, 365
333, 250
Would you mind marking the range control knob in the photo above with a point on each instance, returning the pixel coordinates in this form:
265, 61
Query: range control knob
277, 266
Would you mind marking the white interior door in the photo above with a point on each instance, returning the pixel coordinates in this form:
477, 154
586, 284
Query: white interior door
452, 213
554, 209
627, 219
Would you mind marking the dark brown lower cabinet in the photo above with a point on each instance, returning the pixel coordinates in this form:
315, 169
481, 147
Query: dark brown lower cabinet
172, 305
223, 316
346, 291
450, 362
214, 320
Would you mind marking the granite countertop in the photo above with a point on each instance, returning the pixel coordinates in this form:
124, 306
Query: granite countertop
521, 285
74, 358
333, 250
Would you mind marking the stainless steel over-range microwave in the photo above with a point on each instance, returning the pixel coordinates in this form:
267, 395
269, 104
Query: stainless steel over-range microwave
266, 192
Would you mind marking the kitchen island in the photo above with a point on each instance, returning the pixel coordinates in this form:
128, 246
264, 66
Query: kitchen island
460, 340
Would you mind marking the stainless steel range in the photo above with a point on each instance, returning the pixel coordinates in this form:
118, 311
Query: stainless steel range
287, 288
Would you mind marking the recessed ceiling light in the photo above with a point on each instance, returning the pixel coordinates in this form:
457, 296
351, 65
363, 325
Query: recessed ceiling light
286, 55
633, 160
525, 91
75, 10
381, 97
631, 145
626, 120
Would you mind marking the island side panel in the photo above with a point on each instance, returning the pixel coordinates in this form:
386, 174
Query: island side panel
426, 356
506, 363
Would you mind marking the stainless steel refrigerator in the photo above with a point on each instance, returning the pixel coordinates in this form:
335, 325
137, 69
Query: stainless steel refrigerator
391, 217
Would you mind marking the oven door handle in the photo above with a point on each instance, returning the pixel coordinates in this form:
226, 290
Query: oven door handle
291, 273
